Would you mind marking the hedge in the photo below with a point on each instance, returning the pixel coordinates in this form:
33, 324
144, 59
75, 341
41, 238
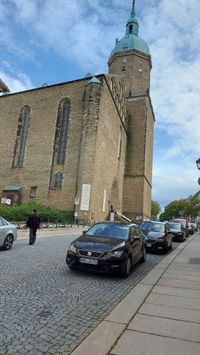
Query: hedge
47, 214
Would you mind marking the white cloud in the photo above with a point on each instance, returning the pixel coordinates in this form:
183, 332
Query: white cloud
175, 181
26, 10
173, 31
82, 31
173, 28
17, 82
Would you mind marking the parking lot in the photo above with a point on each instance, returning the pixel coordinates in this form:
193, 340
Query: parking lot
47, 309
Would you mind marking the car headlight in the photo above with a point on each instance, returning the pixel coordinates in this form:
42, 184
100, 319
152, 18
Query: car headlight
116, 253
72, 249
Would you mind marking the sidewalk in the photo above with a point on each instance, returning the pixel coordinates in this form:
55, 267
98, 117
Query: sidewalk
48, 232
160, 316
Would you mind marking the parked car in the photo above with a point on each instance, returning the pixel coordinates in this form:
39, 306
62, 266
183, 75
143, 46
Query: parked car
178, 231
191, 228
8, 233
183, 222
108, 247
194, 226
157, 235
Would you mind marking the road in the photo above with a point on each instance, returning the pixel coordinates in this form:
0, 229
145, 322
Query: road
45, 308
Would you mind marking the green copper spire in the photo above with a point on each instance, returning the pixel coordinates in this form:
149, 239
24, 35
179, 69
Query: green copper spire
131, 41
133, 9
132, 25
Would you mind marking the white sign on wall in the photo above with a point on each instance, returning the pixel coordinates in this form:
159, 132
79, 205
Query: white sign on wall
85, 198
104, 200
6, 201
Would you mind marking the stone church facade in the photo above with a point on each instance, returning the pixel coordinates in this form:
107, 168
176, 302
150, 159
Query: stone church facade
86, 144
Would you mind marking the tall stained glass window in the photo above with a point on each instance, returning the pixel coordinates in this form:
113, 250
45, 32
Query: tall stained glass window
21, 138
61, 131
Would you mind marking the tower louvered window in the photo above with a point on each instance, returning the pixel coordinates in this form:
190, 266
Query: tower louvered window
21, 139
62, 128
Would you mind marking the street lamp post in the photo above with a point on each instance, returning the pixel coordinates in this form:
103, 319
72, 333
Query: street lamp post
198, 167
198, 213
198, 163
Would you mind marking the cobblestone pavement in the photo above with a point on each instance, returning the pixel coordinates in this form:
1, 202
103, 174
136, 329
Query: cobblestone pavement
47, 309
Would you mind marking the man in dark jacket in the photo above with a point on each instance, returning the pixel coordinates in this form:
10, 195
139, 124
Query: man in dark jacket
33, 222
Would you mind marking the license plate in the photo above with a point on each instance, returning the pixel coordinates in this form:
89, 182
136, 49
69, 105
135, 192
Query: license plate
88, 261
148, 245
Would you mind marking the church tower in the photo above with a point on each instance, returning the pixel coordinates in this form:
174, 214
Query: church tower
131, 59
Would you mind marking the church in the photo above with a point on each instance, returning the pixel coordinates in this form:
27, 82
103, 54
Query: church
85, 145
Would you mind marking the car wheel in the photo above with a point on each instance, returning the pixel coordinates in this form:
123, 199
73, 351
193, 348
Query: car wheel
8, 242
71, 267
127, 267
144, 252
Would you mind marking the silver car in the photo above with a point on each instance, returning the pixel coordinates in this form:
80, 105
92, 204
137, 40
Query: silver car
8, 233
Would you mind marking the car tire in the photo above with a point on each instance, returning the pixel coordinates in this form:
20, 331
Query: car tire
71, 267
127, 267
8, 242
143, 258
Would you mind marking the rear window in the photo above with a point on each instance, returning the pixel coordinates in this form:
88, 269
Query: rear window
175, 226
182, 221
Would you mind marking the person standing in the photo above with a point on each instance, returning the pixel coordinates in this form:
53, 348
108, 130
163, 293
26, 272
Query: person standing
33, 223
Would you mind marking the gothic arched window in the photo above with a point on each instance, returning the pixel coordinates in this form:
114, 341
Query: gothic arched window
22, 133
61, 131
58, 178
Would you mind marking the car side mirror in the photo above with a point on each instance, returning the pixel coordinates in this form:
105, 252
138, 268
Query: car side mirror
84, 232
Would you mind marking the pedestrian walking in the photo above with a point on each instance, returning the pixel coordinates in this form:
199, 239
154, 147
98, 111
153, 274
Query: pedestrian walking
33, 223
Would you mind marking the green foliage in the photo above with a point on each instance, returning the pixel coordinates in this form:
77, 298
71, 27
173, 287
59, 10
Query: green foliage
189, 207
47, 214
155, 208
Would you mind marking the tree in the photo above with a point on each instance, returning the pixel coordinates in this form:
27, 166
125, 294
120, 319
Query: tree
155, 208
186, 208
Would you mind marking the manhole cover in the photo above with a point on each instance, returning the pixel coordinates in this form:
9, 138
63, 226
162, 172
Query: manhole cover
194, 261
44, 314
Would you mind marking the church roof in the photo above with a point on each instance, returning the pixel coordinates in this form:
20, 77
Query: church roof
94, 80
131, 40
3, 87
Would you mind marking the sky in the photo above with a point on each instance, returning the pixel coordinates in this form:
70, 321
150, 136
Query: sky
48, 41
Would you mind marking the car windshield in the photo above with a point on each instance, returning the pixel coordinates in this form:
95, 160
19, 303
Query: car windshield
175, 226
112, 231
145, 226
153, 227
157, 228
